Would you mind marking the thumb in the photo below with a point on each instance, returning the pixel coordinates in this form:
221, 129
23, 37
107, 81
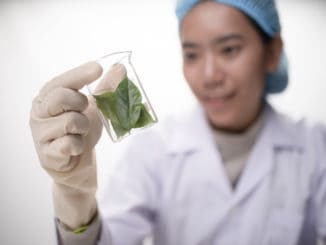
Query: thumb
75, 78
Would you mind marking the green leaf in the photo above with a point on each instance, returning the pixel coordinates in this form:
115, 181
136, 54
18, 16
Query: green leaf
144, 118
107, 104
124, 108
128, 103
119, 131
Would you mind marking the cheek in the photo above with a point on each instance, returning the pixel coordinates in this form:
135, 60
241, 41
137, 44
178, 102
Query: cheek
191, 76
249, 75
250, 87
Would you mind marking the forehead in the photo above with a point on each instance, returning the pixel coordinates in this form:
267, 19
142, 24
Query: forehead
210, 19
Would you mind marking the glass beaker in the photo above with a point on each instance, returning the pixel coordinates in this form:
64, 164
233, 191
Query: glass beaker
122, 103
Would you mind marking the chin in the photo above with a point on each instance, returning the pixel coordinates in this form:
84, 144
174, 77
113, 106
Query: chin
222, 120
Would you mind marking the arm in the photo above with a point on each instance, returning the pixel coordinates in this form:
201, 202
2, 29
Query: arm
88, 237
129, 198
65, 128
127, 202
319, 197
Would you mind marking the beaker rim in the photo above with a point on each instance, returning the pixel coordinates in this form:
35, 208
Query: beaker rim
128, 52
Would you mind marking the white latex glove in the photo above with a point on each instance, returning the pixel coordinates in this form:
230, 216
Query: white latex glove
65, 128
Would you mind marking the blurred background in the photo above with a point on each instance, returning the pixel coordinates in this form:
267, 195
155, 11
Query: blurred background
41, 39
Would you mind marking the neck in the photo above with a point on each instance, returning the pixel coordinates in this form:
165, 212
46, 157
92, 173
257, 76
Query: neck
242, 128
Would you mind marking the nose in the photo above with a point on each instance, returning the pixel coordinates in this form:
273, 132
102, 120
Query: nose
212, 71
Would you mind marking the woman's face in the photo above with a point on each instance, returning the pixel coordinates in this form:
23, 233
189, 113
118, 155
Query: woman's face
224, 63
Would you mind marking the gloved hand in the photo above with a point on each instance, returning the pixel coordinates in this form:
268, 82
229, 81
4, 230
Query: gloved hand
65, 128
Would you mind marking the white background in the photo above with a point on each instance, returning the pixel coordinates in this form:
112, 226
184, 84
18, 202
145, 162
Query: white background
40, 39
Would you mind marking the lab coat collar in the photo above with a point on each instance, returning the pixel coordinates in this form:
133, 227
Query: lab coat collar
189, 133
278, 133
192, 132
195, 135
281, 130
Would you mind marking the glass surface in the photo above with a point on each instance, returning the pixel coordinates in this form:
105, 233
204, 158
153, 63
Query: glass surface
122, 103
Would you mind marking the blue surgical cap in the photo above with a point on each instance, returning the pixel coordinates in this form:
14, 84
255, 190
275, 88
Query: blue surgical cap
265, 14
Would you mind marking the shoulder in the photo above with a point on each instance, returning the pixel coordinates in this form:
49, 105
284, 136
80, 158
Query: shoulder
314, 135
305, 133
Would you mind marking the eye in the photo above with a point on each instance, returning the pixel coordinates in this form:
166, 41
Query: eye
190, 56
230, 50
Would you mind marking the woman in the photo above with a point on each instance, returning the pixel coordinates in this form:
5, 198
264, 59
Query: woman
232, 171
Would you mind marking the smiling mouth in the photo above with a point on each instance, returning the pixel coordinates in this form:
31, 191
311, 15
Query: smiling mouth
218, 101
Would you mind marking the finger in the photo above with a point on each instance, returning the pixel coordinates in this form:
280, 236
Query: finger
111, 79
75, 78
58, 101
49, 129
94, 118
60, 152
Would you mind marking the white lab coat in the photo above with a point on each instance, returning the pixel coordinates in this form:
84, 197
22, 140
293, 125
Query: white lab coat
171, 183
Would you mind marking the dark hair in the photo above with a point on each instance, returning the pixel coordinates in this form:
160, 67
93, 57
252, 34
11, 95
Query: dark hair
263, 35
